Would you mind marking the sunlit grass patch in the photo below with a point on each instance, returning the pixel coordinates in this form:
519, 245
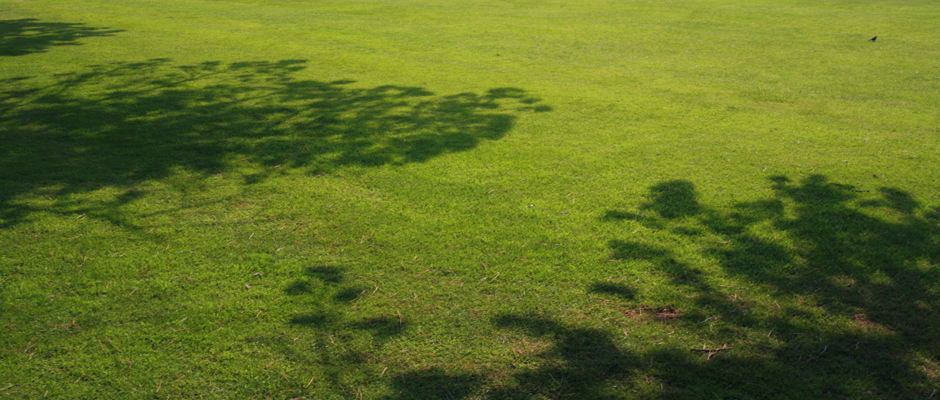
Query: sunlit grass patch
422, 199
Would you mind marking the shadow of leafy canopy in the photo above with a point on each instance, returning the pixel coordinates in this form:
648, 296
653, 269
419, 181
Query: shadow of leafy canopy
855, 269
120, 124
27, 35
843, 303
582, 363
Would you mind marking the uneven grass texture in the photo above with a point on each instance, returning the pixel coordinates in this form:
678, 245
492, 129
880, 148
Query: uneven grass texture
429, 199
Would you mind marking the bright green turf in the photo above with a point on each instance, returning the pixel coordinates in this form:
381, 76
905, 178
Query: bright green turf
469, 199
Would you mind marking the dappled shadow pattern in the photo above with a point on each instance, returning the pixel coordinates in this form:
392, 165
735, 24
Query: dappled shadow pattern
674, 199
329, 298
434, 383
619, 290
346, 340
581, 363
26, 36
833, 295
120, 124
859, 291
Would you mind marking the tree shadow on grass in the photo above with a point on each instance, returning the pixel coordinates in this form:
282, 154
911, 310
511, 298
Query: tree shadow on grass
329, 294
346, 343
854, 271
27, 35
121, 124
578, 364
819, 291
434, 383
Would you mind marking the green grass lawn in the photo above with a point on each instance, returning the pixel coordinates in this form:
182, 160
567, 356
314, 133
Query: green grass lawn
453, 199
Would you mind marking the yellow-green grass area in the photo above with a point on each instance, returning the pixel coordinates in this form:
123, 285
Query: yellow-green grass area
430, 199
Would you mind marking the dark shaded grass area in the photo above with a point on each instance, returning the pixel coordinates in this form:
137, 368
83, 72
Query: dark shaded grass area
875, 273
878, 272
24, 36
121, 124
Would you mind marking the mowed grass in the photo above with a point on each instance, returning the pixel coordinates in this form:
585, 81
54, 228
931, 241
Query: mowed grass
469, 199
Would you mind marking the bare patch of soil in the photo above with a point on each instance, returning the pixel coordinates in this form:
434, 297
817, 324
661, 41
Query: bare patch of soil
664, 313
